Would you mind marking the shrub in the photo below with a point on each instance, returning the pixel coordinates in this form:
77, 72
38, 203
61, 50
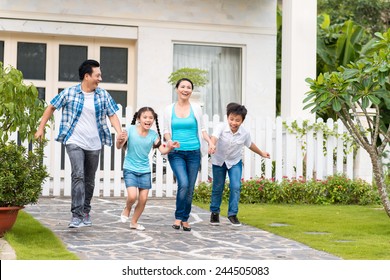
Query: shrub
336, 189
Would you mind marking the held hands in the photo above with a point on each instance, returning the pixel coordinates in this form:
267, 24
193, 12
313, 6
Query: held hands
211, 148
122, 137
173, 144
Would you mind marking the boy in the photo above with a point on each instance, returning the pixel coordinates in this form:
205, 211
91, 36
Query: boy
229, 139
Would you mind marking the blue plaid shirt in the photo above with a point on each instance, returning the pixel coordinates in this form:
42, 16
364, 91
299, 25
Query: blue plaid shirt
71, 100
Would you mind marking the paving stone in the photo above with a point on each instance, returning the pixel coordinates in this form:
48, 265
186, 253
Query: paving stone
110, 239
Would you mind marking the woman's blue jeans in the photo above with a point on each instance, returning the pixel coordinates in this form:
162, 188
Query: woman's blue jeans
219, 179
185, 166
84, 165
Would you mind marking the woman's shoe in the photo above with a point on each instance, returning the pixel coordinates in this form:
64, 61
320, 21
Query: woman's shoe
185, 228
177, 227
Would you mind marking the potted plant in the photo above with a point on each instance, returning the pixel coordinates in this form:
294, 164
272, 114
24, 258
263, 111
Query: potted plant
21, 172
196, 75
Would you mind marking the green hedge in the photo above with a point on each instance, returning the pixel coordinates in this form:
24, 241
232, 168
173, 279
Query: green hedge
334, 190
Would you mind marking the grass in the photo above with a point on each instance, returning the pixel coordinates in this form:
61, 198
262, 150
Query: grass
348, 231
32, 241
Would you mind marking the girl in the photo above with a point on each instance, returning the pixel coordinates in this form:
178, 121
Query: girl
140, 140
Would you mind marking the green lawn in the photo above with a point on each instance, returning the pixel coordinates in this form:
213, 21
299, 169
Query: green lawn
32, 241
348, 231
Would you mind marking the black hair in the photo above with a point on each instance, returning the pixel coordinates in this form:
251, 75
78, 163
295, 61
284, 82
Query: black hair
86, 67
184, 79
138, 114
236, 109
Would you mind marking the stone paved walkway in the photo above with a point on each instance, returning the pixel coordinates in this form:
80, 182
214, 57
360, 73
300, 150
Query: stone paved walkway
109, 239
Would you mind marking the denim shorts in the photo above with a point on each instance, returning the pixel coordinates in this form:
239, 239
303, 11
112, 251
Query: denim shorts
136, 179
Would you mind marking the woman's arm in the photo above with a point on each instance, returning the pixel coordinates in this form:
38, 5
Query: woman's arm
166, 148
209, 142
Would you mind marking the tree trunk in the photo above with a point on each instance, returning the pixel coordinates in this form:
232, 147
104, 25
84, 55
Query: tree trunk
377, 169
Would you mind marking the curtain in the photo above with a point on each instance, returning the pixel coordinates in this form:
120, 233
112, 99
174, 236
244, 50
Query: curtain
224, 74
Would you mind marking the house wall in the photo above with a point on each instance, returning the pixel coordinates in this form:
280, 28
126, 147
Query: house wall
155, 26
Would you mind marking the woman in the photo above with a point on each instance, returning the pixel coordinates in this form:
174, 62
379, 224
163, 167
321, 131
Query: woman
183, 122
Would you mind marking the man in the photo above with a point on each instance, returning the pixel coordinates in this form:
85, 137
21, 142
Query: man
83, 130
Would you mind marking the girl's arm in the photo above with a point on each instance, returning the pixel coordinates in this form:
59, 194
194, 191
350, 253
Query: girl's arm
256, 150
121, 139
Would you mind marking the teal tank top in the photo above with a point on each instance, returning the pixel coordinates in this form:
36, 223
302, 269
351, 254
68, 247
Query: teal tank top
185, 131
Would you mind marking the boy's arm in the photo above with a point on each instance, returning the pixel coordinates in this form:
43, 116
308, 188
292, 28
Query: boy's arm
209, 142
256, 150
213, 141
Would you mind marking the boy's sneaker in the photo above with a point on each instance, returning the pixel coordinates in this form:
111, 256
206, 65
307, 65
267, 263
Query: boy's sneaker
234, 221
214, 219
87, 220
76, 222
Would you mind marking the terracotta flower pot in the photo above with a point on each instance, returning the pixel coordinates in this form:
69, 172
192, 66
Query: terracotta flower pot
8, 217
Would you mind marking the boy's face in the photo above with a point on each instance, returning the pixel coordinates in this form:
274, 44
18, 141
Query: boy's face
234, 122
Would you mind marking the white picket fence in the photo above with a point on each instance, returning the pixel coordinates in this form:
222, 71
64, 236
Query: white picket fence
268, 134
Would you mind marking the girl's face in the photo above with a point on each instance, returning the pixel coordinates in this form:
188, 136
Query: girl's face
146, 120
234, 122
184, 90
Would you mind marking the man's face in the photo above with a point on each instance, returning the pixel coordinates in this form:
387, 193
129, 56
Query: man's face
94, 79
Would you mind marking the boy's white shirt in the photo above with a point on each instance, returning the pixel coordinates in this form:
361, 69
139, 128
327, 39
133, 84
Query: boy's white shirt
229, 146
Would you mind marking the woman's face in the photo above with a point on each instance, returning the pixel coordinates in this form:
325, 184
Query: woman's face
146, 119
184, 90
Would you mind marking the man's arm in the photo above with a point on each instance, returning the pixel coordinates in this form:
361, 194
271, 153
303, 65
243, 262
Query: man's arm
45, 118
114, 120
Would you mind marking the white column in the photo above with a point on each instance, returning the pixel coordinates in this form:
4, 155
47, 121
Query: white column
362, 163
298, 55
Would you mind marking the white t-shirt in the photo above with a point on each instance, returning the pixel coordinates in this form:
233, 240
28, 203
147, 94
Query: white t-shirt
86, 134
229, 146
